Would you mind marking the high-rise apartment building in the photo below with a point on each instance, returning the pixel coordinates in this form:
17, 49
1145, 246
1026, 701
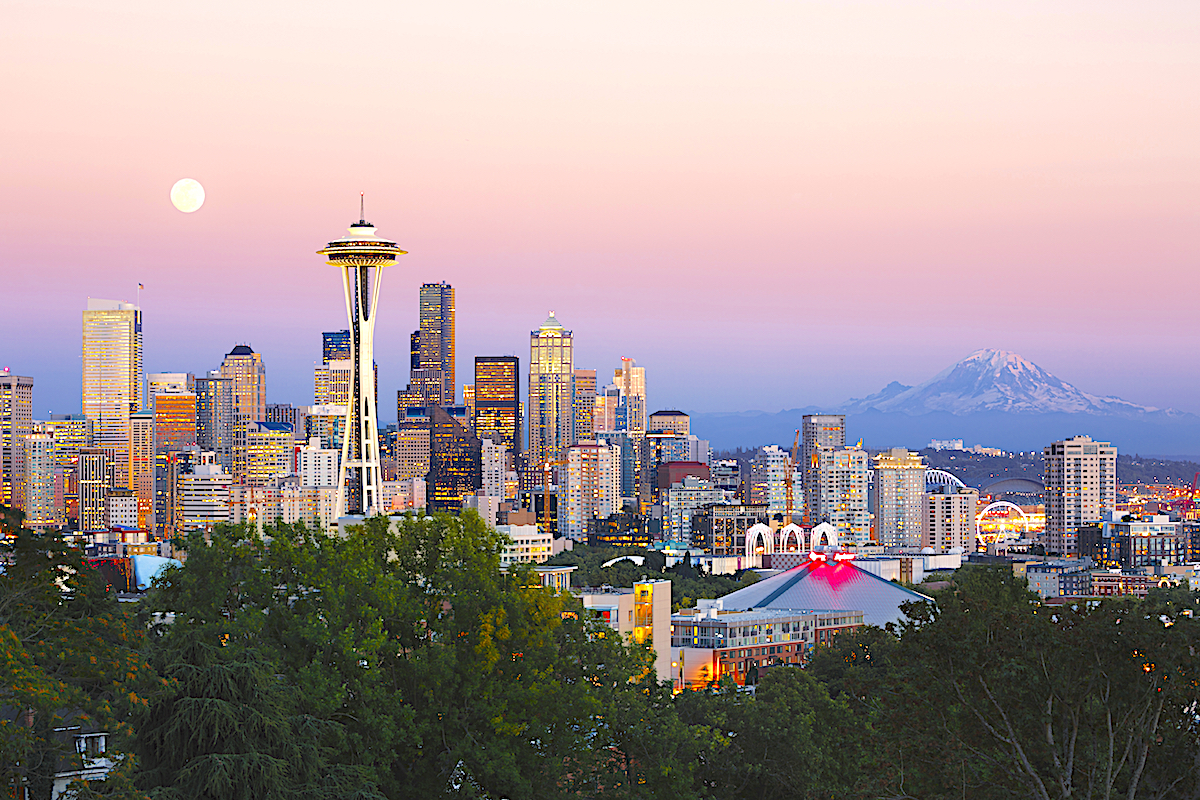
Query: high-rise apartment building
1081, 485
551, 366
608, 400
204, 495
40, 495
168, 383
816, 431
583, 405
16, 422
948, 519
316, 465
840, 492
249, 375
71, 433
455, 462
141, 466
591, 488
630, 380
412, 453
497, 401
112, 376
214, 418
493, 467
898, 498
97, 467
175, 429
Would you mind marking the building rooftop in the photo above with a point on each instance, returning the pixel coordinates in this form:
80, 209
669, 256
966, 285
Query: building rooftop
837, 585
241, 350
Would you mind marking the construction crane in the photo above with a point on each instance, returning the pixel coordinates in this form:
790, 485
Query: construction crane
789, 479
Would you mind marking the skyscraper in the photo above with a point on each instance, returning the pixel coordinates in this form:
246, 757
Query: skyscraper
437, 339
112, 376
248, 373
840, 492
591, 488
72, 433
40, 495
898, 498
630, 379
497, 400
96, 476
1081, 484
818, 430
360, 479
214, 418
175, 416
455, 462
16, 422
335, 346
551, 364
583, 405
141, 466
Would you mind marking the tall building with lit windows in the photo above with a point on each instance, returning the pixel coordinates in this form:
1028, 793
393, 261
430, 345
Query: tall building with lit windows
630, 381
214, 418
16, 422
840, 492
1081, 485
141, 466
112, 376
817, 431
175, 417
455, 462
590, 489
498, 401
437, 338
245, 368
898, 498
551, 368
40, 495
583, 405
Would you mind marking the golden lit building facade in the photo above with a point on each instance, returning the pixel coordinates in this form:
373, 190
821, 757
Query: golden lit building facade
497, 393
583, 405
269, 452
899, 497
551, 368
112, 376
248, 374
141, 466
16, 422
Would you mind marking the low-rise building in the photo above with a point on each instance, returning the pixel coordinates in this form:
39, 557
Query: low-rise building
642, 614
527, 545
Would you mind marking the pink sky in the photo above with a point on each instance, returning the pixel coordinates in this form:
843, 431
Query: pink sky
769, 205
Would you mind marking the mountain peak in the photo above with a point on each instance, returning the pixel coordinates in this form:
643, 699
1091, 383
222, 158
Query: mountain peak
993, 380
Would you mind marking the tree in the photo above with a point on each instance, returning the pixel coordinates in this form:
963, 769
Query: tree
72, 653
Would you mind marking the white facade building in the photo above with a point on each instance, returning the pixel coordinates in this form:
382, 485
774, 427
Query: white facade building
948, 519
527, 545
899, 497
317, 465
1081, 485
840, 492
591, 489
684, 499
204, 495
494, 463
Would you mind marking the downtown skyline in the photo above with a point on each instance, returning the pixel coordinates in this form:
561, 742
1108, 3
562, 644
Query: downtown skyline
937, 181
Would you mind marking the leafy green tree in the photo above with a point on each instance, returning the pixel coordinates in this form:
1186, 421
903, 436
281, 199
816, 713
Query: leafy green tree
71, 653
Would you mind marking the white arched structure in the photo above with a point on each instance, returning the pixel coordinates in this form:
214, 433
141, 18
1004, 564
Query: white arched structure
823, 535
759, 535
939, 477
1002, 504
791, 539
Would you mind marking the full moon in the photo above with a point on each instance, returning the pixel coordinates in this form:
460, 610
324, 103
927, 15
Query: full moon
187, 194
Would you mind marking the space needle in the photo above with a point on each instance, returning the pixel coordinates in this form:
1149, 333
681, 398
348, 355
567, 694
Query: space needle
359, 480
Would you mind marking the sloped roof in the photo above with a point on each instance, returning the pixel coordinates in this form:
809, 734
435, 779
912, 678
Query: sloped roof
835, 586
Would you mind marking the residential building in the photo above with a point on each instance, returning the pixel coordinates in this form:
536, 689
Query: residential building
316, 465
720, 530
121, 509
204, 495
497, 414
630, 380
898, 498
71, 433
1081, 485
948, 519
591, 488
526, 545
769, 481
412, 453
40, 493
494, 467
112, 376
455, 462
16, 422
817, 431
1131, 542
97, 468
214, 417
583, 405
248, 373
551, 369
839, 492
141, 466
684, 499
327, 423
641, 615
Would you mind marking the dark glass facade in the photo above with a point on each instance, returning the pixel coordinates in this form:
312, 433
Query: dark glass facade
497, 403
455, 462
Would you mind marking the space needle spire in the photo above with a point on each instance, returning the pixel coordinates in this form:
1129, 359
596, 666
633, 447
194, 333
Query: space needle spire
360, 481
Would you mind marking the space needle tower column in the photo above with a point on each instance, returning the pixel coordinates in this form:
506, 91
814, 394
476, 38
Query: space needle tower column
359, 480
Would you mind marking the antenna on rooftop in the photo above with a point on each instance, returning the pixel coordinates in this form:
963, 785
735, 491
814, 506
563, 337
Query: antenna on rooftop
362, 216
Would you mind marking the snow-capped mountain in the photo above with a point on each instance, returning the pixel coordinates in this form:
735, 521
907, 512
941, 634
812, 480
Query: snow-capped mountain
991, 381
